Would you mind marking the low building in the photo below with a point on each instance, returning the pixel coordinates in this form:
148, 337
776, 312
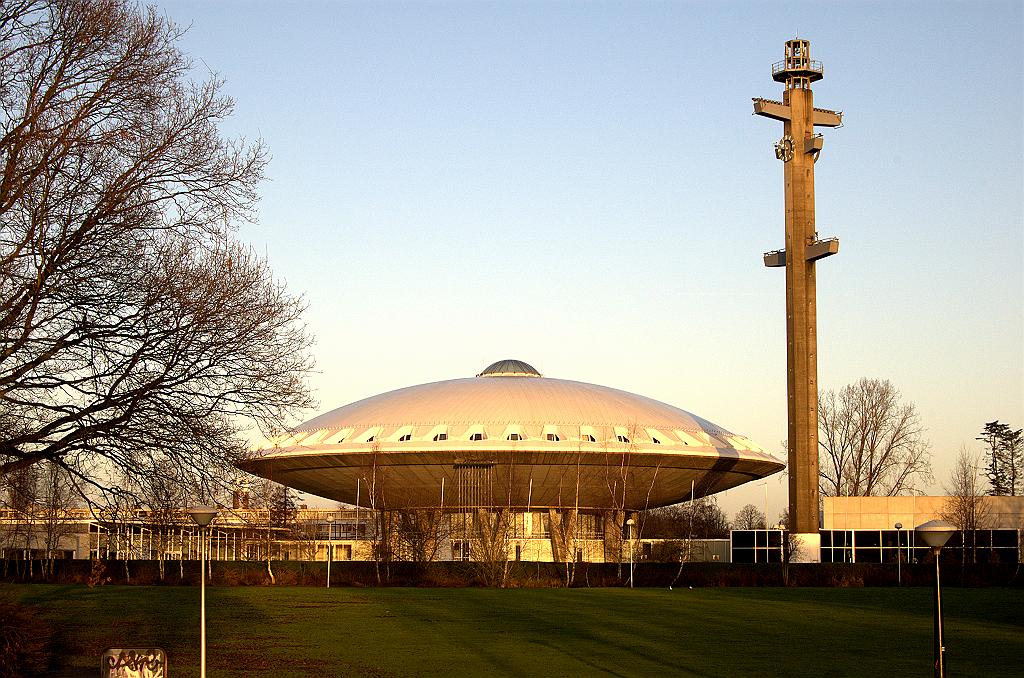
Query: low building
882, 513
864, 530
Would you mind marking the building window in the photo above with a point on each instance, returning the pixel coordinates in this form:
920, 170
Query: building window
371, 439
440, 436
622, 439
588, 438
406, 438
553, 437
515, 436
477, 436
655, 440
756, 546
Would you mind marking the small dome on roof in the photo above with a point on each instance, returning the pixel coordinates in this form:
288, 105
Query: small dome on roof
509, 368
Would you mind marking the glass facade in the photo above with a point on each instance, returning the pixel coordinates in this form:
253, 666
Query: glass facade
886, 546
881, 546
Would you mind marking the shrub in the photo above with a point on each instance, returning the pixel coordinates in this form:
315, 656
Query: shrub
24, 641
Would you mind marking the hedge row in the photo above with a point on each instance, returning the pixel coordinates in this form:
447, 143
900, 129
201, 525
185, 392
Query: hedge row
519, 574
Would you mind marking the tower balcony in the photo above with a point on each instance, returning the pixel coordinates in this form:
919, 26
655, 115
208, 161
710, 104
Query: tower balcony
797, 68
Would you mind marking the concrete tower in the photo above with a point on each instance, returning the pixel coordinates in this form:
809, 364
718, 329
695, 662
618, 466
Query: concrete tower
798, 149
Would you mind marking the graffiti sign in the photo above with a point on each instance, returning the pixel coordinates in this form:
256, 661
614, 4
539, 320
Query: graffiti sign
134, 662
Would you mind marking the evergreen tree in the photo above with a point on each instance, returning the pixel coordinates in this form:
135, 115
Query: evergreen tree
1005, 470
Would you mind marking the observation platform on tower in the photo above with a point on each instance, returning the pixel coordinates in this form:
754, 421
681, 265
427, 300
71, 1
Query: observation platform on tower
783, 70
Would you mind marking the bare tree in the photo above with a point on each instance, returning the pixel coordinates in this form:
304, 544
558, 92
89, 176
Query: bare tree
564, 521
491, 535
681, 526
134, 328
616, 476
619, 475
417, 534
870, 443
965, 507
57, 495
163, 494
39, 498
305, 533
272, 516
792, 551
700, 518
380, 537
119, 516
21, 498
749, 518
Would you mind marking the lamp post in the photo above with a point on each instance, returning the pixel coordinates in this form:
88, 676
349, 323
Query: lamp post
330, 546
629, 537
935, 533
899, 555
202, 517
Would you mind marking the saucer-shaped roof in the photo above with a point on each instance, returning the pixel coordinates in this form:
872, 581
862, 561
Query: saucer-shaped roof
510, 416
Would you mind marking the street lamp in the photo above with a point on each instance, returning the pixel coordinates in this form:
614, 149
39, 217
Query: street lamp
202, 517
899, 555
629, 537
330, 546
935, 533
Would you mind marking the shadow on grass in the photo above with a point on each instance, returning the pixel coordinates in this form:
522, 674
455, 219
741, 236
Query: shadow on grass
299, 631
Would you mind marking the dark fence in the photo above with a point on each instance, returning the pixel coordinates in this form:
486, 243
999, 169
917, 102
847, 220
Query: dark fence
519, 574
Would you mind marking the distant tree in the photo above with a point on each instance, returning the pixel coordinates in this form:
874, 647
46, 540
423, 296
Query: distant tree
164, 494
417, 534
710, 521
134, 327
39, 499
701, 518
283, 507
784, 519
120, 516
273, 517
749, 518
57, 495
1005, 470
305, 533
870, 443
20, 498
682, 526
965, 505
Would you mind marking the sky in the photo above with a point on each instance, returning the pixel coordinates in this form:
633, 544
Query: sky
581, 185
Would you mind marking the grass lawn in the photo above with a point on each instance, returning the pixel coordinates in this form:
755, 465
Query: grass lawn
293, 632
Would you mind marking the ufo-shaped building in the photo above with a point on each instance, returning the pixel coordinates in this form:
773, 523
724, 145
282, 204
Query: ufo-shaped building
512, 439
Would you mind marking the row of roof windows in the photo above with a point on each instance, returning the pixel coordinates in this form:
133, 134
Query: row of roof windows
516, 433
